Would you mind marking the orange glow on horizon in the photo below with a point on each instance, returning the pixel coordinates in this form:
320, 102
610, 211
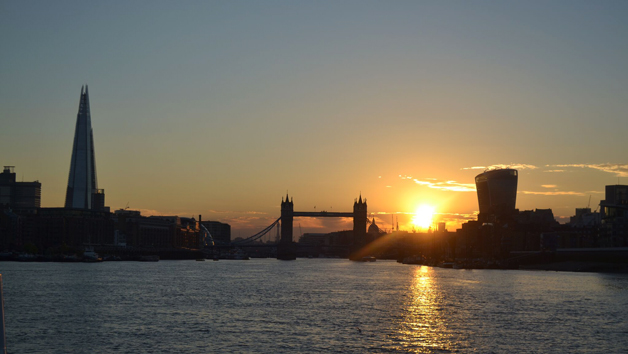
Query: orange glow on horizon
423, 216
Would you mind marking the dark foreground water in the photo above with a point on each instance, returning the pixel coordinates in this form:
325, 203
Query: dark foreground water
308, 306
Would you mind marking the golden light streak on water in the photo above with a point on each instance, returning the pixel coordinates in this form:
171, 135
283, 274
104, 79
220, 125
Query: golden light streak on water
423, 328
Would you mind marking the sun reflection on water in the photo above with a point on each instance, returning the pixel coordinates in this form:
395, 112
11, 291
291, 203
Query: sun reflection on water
423, 326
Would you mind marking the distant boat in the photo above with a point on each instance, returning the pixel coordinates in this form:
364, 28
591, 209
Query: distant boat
412, 260
26, 257
240, 255
89, 256
237, 254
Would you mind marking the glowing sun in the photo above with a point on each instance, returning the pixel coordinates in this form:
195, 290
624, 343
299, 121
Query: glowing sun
423, 216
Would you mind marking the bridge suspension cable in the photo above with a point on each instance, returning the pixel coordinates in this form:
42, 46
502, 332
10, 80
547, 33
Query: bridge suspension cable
208, 239
258, 235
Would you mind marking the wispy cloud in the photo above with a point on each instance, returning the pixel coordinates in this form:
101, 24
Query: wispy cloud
516, 166
243, 220
451, 186
237, 212
323, 223
620, 170
522, 167
153, 212
553, 193
310, 223
248, 222
562, 219
149, 212
554, 171
475, 168
548, 185
457, 216
434, 183
594, 192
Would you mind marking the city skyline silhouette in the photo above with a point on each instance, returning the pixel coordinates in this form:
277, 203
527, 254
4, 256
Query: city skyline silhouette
219, 108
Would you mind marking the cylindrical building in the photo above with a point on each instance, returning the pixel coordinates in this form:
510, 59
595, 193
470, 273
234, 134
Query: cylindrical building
497, 193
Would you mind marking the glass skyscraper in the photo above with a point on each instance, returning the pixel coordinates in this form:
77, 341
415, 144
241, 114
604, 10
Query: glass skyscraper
83, 192
497, 193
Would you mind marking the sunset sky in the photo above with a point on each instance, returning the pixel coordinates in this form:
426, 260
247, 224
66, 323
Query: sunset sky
219, 108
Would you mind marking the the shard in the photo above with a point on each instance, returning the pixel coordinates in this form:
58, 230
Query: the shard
83, 192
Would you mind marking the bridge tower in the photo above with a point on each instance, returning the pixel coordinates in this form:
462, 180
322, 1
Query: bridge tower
286, 248
359, 227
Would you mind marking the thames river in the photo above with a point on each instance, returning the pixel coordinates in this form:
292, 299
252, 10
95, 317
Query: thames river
308, 306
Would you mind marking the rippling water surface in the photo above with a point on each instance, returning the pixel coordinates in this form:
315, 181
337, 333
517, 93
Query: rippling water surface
308, 306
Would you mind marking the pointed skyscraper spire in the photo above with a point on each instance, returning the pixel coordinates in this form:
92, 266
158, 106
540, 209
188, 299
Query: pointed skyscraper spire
82, 182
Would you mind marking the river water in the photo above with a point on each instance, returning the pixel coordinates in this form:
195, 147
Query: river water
308, 306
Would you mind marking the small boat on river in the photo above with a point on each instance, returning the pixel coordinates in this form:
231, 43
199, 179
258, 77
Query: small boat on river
89, 256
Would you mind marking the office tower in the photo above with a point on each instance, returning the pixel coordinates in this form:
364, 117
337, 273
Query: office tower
497, 193
614, 213
221, 232
83, 192
21, 197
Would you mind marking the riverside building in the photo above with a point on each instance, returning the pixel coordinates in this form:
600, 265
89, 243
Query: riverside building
21, 197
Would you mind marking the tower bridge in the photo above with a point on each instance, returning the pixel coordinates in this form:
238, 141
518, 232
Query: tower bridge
286, 249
